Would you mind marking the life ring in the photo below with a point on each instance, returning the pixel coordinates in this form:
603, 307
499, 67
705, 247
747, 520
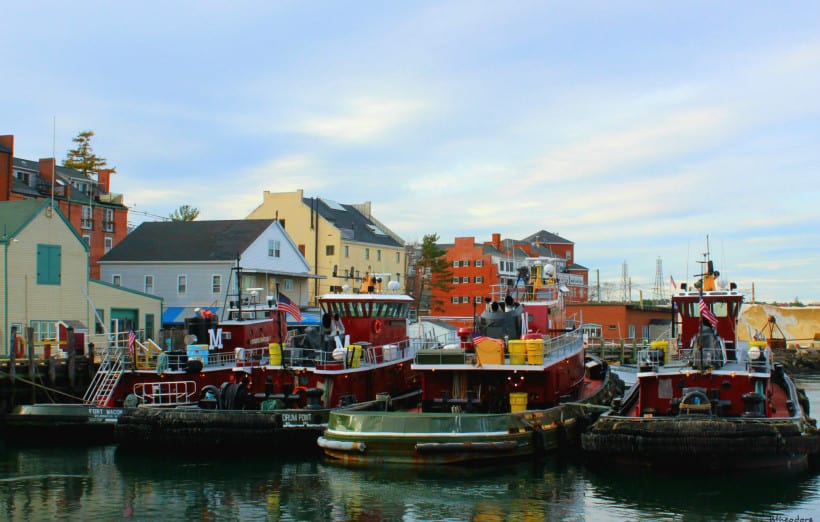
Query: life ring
377, 326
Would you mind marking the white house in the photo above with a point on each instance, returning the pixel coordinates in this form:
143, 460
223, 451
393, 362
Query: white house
193, 264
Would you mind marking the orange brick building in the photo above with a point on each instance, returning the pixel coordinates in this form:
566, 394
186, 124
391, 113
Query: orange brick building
624, 320
488, 269
97, 215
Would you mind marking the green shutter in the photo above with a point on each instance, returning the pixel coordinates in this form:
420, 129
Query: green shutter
49, 259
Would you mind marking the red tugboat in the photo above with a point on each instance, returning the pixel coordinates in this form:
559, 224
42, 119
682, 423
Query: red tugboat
499, 394
247, 363
705, 399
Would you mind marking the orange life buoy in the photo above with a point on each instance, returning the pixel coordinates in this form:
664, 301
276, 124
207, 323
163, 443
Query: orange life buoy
377, 326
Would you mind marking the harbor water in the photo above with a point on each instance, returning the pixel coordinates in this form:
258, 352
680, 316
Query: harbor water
105, 483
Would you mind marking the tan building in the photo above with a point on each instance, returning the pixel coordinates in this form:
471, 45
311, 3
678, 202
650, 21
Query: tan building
45, 283
342, 243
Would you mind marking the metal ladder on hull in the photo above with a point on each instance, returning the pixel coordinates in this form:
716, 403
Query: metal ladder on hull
102, 387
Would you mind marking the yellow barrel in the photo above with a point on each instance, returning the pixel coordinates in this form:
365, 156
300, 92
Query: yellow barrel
535, 351
518, 401
275, 352
518, 350
661, 344
354, 355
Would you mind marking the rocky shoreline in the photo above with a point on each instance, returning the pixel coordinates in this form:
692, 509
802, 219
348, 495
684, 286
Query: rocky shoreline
799, 360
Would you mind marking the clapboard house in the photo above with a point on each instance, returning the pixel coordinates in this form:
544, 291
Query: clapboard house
193, 264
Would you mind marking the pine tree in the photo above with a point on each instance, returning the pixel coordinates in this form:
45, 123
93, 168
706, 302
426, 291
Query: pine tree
82, 157
184, 213
433, 272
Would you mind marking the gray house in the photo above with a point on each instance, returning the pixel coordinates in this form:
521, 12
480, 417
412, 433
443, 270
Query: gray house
193, 264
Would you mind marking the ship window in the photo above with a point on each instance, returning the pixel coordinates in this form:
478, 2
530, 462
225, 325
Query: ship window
720, 309
356, 310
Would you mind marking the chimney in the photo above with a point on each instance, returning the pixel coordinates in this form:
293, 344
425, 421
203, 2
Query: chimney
497, 240
6, 166
47, 167
104, 180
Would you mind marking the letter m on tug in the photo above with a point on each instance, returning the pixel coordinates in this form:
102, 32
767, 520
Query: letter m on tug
215, 340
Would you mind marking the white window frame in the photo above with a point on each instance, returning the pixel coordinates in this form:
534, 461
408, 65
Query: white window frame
454, 300
109, 243
148, 288
274, 248
479, 263
116, 279
87, 239
182, 284
456, 280
216, 284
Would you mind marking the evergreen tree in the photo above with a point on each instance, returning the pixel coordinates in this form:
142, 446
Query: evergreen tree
184, 213
433, 272
82, 157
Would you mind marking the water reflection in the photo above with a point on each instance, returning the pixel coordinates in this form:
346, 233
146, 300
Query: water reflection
104, 483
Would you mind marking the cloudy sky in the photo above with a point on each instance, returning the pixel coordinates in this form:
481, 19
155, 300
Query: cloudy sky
634, 129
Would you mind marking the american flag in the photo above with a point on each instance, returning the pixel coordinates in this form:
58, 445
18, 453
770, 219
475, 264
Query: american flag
286, 305
706, 313
132, 339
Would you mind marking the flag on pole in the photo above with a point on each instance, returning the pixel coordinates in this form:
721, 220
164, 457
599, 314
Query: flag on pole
286, 305
132, 339
672, 280
706, 312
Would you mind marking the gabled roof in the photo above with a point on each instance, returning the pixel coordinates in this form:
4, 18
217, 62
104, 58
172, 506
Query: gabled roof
353, 225
14, 215
546, 237
188, 240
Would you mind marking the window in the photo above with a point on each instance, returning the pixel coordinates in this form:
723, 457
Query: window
48, 264
398, 257
149, 284
479, 279
330, 250
465, 279
87, 219
116, 280
454, 300
108, 220
182, 284
274, 247
631, 334
477, 299
44, 330
287, 284
378, 255
465, 299
216, 284
87, 239
456, 280
367, 253
347, 251
479, 263
455, 264
109, 243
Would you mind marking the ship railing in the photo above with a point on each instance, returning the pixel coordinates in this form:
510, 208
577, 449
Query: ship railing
166, 393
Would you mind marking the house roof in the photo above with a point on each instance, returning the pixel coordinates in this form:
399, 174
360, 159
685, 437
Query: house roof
353, 225
188, 240
14, 215
546, 237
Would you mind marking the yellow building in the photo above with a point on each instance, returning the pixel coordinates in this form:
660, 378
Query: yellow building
343, 243
45, 283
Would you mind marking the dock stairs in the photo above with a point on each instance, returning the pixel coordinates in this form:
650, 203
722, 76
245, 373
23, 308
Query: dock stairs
108, 374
